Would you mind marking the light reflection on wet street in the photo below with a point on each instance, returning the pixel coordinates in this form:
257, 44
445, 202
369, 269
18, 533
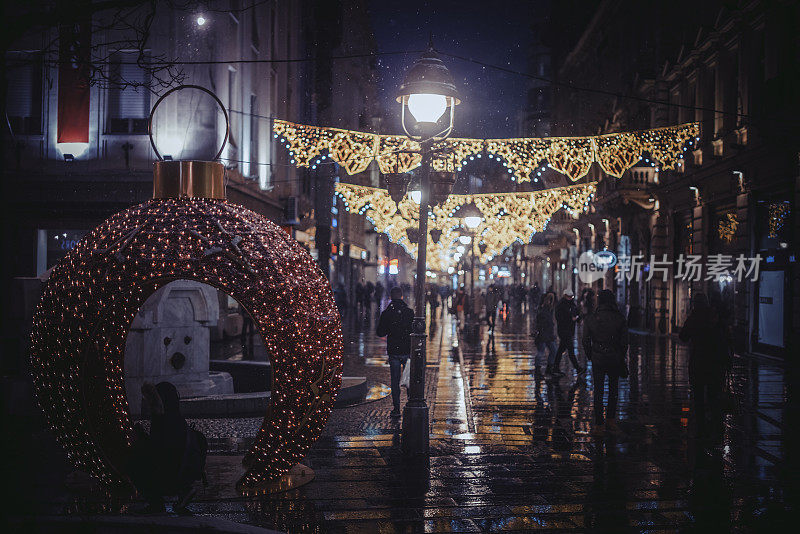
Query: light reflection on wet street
512, 451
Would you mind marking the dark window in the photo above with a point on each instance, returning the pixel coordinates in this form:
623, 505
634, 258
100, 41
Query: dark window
128, 94
254, 27
24, 92
253, 135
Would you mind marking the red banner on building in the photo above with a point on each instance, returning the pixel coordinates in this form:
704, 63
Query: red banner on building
73, 82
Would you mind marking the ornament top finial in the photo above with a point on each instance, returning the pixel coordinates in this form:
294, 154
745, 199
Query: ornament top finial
188, 179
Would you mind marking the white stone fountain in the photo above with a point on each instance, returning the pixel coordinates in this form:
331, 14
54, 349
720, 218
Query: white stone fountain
169, 340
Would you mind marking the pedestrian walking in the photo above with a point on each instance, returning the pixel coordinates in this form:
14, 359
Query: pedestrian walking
460, 304
246, 337
535, 296
369, 291
340, 297
378, 295
360, 294
432, 296
395, 324
545, 337
491, 302
605, 341
566, 317
709, 359
588, 302
444, 294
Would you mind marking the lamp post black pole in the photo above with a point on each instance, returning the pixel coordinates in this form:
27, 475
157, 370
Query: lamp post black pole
415, 440
472, 276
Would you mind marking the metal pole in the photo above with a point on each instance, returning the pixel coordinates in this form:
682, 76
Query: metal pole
415, 439
472, 277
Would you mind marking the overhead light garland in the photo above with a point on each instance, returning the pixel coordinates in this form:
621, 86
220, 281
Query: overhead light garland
507, 217
570, 156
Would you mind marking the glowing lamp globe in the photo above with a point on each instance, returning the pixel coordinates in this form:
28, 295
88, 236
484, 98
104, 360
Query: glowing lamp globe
428, 91
465, 239
427, 107
416, 196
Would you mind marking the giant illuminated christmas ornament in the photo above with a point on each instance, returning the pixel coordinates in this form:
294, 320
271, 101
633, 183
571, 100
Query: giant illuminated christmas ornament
188, 231
570, 156
507, 218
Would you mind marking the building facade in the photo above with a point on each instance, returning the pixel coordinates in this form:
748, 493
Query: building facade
735, 194
78, 98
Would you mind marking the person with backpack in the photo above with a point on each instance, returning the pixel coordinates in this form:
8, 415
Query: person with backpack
395, 324
171, 457
605, 341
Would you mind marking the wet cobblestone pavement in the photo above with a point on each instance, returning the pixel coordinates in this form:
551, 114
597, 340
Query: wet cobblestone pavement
511, 451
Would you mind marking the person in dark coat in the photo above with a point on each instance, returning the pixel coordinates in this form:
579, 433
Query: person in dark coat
588, 302
605, 340
378, 295
360, 294
566, 317
369, 290
432, 297
395, 324
340, 297
535, 296
709, 358
491, 299
169, 459
546, 333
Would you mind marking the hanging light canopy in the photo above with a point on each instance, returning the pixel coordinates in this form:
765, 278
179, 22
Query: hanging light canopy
428, 91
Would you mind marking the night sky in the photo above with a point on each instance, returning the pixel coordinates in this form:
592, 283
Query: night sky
496, 32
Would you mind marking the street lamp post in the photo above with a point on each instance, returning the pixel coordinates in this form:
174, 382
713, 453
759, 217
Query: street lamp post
472, 277
472, 218
428, 91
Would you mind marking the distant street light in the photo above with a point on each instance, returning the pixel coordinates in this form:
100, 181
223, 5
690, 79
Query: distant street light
472, 221
428, 91
472, 217
201, 20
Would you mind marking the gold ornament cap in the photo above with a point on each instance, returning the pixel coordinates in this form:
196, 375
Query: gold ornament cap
188, 179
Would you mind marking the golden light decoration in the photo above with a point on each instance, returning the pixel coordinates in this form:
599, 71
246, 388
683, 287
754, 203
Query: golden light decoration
507, 217
80, 326
571, 156
726, 229
778, 212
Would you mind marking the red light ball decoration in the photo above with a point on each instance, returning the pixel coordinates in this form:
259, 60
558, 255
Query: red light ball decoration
93, 294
